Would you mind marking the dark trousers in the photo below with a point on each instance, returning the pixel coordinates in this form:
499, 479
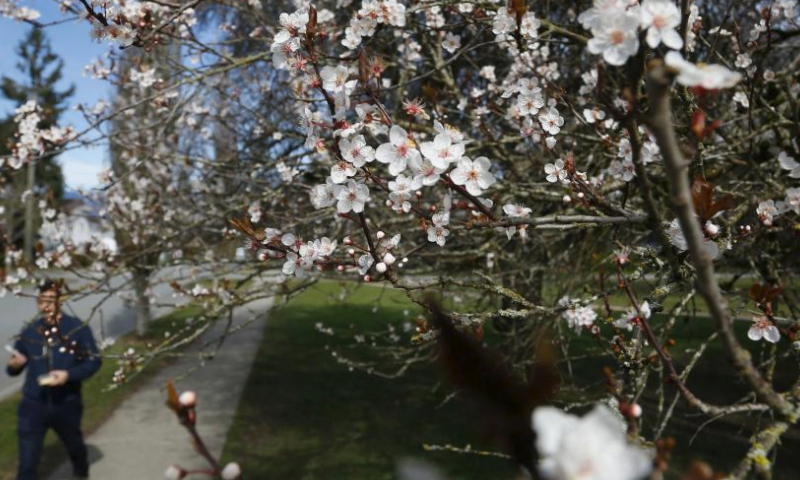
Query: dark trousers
33, 420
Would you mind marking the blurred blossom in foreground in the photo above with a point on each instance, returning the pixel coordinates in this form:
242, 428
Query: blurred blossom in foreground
592, 447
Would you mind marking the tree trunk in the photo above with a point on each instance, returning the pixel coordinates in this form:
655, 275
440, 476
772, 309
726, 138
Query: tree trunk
141, 306
29, 214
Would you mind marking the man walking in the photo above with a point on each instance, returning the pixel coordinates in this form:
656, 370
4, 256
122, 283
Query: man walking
59, 353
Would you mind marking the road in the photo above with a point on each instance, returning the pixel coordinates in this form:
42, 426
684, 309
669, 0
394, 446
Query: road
111, 320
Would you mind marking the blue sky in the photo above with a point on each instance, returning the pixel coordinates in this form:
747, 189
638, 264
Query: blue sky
72, 43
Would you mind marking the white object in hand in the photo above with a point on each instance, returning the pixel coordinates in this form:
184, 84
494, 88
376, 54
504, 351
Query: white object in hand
46, 380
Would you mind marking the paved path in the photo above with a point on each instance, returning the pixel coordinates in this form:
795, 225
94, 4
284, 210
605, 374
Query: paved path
143, 436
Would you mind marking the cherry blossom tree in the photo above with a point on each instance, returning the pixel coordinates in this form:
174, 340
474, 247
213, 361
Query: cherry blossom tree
571, 168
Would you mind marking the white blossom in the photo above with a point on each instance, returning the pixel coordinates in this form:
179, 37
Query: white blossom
616, 36
626, 321
334, 79
593, 447
341, 171
451, 42
551, 121
427, 173
707, 76
768, 210
442, 151
402, 190
762, 328
661, 18
790, 164
676, 238
792, 200
398, 152
352, 197
474, 175
624, 170
356, 151
555, 172
324, 195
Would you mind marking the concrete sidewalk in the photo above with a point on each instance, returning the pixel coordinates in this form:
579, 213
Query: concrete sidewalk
143, 436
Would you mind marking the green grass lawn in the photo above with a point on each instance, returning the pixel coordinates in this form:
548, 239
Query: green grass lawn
99, 401
303, 415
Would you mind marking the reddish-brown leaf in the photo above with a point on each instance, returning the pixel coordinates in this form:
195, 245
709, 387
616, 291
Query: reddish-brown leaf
172, 398
703, 200
764, 294
698, 125
243, 225
311, 26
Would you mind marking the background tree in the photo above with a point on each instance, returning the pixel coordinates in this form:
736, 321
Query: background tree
41, 72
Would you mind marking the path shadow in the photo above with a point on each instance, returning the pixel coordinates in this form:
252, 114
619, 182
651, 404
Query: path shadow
55, 456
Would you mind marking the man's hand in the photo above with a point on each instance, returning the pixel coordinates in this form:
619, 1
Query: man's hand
60, 377
17, 360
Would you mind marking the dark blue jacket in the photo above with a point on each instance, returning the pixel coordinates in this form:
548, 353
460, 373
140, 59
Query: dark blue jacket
71, 347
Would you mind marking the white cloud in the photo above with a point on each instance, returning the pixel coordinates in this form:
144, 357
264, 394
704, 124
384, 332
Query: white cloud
82, 166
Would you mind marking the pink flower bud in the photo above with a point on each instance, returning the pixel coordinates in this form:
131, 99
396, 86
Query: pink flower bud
348, 241
340, 268
636, 410
232, 471
367, 278
380, 234
566, 199
351, 251
389, 259
380, 267
174, 472
188, 399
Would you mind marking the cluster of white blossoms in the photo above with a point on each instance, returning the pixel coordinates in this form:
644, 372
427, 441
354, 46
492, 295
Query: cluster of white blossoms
768, 210
437, 233
300, 257
144, 77
369, 16
504, 25
413, 165
592, 447
126, 19
626, 321
32, 140
513, 210
531, 103
577, 316
615, 27
11, 9
762, 328
624, 168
